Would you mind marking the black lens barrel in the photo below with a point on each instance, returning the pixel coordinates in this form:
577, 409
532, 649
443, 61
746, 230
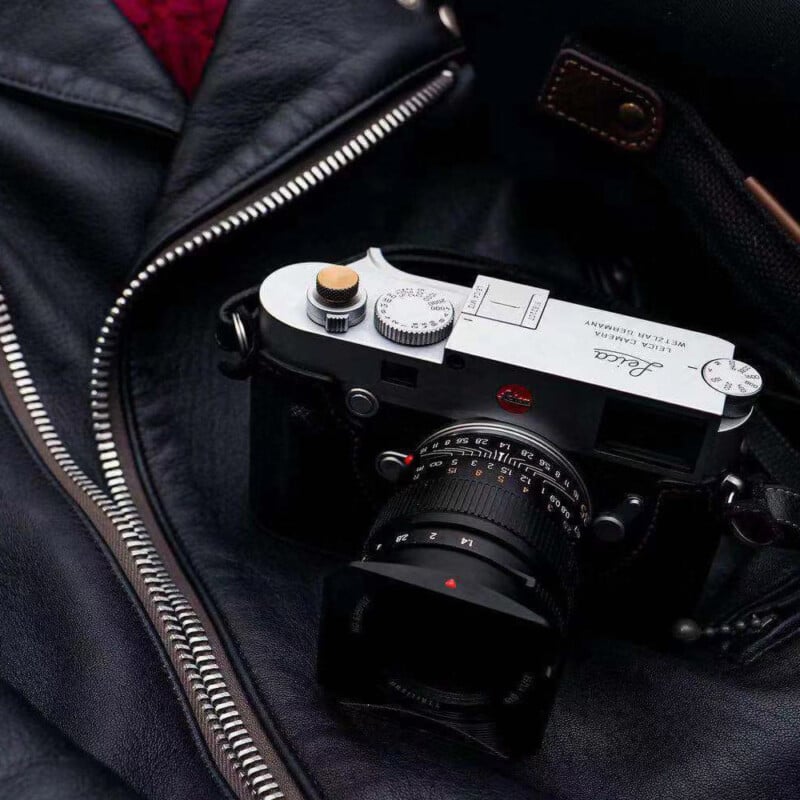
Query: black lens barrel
457, 611
461, 509
501, 483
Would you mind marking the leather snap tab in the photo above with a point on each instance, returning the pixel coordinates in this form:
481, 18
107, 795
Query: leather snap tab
603, 101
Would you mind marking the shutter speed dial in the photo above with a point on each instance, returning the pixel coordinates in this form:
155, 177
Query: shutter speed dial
414, 315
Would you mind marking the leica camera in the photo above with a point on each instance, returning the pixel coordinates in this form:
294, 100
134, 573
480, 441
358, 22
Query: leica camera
471, 449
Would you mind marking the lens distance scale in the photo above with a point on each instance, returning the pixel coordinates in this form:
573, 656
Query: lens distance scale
521, 463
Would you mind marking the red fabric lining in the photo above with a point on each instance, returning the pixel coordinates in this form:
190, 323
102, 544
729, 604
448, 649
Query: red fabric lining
180, 32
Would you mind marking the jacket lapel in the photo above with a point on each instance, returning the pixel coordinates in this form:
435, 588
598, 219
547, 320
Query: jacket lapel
84, 53
283, 75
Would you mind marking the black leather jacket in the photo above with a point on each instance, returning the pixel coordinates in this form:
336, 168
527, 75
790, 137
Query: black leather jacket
150, 644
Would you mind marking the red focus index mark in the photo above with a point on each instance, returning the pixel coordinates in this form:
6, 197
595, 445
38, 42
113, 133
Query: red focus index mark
450, 583
408, 459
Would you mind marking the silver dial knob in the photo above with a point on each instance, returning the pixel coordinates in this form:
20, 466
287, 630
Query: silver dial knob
739, 382
414, 315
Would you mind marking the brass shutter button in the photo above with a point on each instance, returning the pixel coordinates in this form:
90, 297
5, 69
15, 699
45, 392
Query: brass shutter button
337, 285
336, 300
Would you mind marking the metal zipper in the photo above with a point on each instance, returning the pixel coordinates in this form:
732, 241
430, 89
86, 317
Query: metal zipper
248, 761
166, 605
242, 751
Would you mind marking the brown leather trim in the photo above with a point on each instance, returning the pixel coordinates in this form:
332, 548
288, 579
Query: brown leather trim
603, 102
771, 204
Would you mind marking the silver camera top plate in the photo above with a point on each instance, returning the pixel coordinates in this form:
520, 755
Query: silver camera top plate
513, 353
503, 321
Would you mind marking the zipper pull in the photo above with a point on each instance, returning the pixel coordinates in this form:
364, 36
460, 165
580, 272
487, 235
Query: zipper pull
688, 631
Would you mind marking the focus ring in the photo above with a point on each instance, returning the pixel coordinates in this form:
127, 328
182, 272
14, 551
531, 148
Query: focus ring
492, 503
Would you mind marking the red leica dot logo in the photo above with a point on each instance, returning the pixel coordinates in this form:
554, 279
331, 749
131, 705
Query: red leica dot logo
514, 398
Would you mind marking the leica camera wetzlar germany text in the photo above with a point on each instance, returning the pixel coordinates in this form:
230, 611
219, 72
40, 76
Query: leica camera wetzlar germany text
457, 610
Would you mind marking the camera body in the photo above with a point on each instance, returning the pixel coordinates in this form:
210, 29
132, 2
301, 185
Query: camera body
357, 365
652, 397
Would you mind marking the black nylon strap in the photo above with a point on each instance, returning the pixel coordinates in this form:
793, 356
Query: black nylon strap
762, 261
773, 450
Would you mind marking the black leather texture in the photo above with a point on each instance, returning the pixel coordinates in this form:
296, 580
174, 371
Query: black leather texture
629, 721
784, 505
75, 645
102, 162
38, 763
767, 513
294, 72
88, 125
85, 56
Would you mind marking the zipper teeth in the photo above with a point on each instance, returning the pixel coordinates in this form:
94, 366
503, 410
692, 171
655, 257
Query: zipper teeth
162, 596
183, 627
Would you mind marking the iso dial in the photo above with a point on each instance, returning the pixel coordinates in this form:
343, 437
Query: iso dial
739, 382
414, 315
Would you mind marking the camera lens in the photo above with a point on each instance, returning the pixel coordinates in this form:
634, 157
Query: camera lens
458, 609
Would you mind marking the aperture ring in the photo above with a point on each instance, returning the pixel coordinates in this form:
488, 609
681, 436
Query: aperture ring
491, 503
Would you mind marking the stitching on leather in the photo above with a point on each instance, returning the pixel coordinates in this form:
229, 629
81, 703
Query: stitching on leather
783, 491
556, 87
87, 102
